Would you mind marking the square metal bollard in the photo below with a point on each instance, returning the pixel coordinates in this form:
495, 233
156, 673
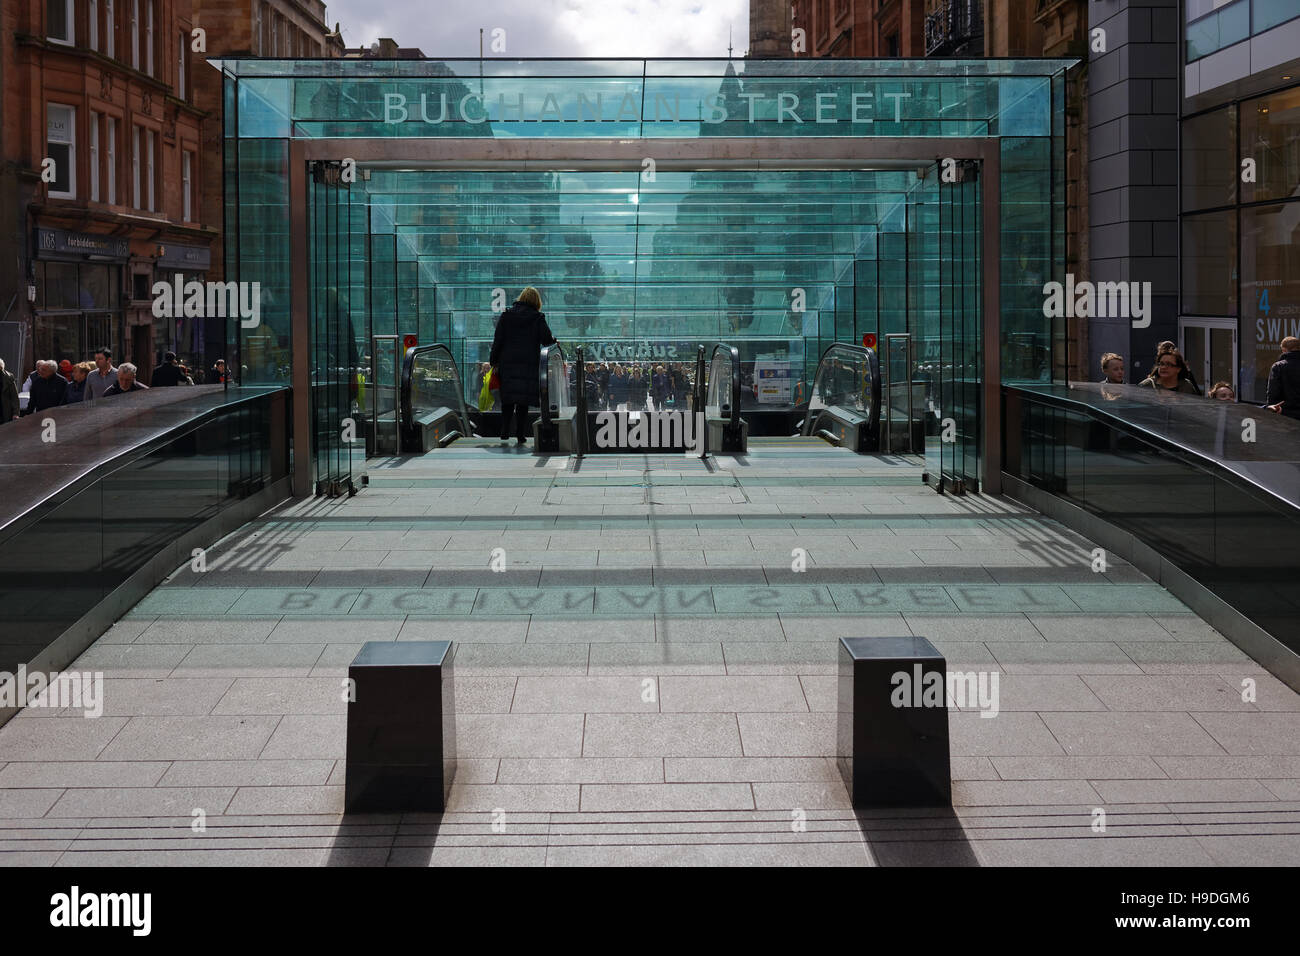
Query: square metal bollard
401, 754
892, 727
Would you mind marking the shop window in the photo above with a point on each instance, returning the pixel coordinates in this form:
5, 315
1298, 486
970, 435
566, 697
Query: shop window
1209, 263
1209, 160
1270, 134
1270, 288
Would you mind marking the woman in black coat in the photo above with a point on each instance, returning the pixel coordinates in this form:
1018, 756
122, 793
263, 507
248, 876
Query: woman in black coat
516, 352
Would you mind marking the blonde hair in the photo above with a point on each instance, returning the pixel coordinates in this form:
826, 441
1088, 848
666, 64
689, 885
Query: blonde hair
531, 296
86, 367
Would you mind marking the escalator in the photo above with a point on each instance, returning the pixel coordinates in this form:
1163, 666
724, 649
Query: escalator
432, 409
579, 416
844, 404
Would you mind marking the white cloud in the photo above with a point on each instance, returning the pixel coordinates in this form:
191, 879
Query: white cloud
558, 28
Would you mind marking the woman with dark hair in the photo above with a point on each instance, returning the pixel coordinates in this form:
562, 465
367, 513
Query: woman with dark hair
1185, 373
1167, 376
516, 355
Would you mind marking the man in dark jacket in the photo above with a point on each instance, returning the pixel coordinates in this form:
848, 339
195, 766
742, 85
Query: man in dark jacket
516, 353
1284, 380
9, 399
167, 374
48, 389
125, 381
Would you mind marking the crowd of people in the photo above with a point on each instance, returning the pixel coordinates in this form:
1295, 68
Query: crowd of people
1170, 373
52, 384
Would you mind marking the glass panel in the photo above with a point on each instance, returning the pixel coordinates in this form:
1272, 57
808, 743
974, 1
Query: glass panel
1210, 263
1270, 131
1221, 358
1270, 287
1211, 166
386, 363
1269, 13
1194, 352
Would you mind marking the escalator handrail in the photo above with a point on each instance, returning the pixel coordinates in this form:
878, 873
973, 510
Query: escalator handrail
407, 415
699, 395
544, 380
873, 367
580, 403
733, 423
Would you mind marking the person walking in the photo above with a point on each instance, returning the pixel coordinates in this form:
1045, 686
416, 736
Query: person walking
9, 401
48, 389
1284, 380
1168, 376
104, 375
126, 382
169, 373
516, 352
77, 387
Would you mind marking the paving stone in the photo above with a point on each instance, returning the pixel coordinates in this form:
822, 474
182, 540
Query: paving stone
1077, 768
349, 630
519, 735
669, 797
598, 630
71, 738
661, 735
306, 737
1121, 734
495, 660
656, 660
133, 697
670, 628
788, 735
591, 694
1026, 657
1171, 791
1252, 734
179, 802
1033, 793
259, 800
580, 770
732, 694
243, 773
1190, 692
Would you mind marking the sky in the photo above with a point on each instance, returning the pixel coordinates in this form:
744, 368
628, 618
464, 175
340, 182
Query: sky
536, 28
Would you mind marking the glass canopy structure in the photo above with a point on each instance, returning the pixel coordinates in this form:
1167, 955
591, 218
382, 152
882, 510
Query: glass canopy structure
778, 205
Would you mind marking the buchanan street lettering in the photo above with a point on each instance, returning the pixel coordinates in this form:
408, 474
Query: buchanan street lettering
435, 108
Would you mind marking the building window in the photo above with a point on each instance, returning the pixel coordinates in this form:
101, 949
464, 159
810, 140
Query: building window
110, 166
58, 21
110, 29
135, 166
60, 139
92, 23
135, 34
148, 37
275, 46
187, 187
94, 156
149, 169
257, 27
181, 84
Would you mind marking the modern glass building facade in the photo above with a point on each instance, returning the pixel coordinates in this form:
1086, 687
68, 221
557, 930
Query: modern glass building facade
780, 206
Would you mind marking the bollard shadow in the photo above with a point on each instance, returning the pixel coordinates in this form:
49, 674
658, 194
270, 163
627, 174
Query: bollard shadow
364, 839
915, 836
